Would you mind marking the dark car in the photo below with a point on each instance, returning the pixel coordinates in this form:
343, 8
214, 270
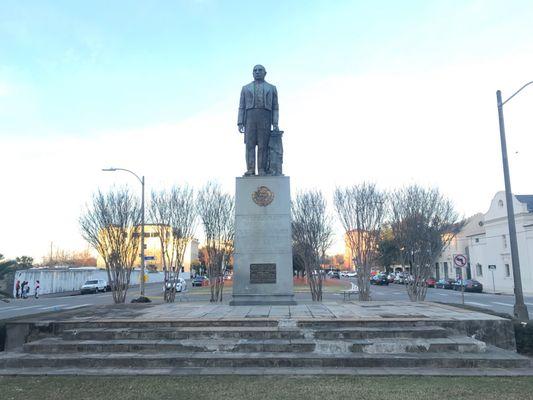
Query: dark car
431, 282
199, 280
445, 283
334, 275
470, 285
379, 279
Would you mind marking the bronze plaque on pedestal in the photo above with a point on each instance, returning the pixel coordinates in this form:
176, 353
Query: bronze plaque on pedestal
262, 273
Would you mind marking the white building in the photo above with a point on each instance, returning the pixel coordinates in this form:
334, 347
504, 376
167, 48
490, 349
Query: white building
444, 268
485, 240
492, 247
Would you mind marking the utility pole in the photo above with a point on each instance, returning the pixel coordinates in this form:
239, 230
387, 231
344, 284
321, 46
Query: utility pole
520, 309
142, 238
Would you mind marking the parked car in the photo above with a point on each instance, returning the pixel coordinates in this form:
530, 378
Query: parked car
180, 285
94, 286
402, 278
334, 275
352, 274
430, 282
445, 283
199, 280
470, 285
391, 278
379, 279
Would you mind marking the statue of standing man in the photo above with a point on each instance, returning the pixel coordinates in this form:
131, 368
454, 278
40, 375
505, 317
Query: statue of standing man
258, 115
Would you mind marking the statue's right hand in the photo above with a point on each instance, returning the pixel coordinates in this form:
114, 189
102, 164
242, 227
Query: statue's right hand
241, 128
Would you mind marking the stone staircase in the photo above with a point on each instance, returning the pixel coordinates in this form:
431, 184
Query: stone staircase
245, 345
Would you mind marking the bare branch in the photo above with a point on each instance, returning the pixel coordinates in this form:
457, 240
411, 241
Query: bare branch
111, 225
361, 210
423, 223
217, 212
312, 235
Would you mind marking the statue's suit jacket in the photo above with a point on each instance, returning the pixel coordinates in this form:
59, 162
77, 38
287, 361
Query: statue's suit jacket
270, 101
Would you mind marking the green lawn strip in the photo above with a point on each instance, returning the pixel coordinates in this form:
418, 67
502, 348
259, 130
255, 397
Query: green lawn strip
336, 287
266, 388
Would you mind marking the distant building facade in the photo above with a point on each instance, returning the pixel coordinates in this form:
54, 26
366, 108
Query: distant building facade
153, 254
485, 241
444, 267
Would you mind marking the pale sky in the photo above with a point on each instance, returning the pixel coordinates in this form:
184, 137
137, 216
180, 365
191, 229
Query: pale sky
385, 91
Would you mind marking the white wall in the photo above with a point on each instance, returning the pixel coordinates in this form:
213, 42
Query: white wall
67, 280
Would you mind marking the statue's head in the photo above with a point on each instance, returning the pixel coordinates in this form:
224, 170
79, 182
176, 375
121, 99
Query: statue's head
259, 73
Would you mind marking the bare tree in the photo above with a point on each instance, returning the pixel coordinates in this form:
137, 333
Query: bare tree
361, 210
423, 223
217, 212
111, 225
174, 214
312, 235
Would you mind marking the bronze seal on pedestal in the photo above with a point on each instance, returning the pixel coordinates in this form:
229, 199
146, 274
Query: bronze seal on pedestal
263, 196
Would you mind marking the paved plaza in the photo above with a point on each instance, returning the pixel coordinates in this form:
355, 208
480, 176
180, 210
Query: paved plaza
377, 310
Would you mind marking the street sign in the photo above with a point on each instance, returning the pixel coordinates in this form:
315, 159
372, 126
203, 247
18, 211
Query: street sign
492, 266
460, 260
149, 258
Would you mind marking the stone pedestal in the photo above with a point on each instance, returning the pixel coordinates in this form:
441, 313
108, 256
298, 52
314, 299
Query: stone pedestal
263, 243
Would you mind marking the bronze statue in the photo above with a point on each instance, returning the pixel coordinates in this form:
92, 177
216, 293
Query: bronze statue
258, 115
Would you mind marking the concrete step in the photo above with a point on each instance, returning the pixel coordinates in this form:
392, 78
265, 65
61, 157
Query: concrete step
371, 346
217, 332
59, 326
459, 344
492, 358
223, 332
55, 346
367, 332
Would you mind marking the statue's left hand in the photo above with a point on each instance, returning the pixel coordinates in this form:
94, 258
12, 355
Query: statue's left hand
275, 127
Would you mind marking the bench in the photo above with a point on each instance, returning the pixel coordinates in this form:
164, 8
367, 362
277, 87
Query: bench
348, 292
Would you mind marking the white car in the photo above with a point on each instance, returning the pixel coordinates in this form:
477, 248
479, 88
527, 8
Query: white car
94, 286
181, 285
351, 274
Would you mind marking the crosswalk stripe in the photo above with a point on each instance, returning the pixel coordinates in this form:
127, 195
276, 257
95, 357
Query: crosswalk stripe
77, 306
476, 304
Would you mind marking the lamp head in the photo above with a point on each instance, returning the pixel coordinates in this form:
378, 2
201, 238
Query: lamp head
109, 169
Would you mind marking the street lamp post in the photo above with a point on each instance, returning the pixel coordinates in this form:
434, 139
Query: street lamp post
520, 309
141, 179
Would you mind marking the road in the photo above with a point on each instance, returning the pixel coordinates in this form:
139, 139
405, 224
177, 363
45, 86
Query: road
393, 292
500, 303
22, 307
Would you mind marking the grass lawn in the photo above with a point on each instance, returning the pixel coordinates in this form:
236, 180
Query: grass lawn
300, 286
265, 388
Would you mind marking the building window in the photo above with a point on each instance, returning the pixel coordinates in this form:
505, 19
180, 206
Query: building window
445, 269
504, 241
479, 269
477, 240
507, 270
